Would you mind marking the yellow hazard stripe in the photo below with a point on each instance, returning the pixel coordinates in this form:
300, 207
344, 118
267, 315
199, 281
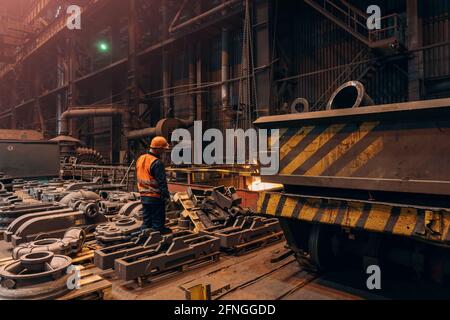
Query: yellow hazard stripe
378, 218
273, 204
293, 141
402, 221
341, 149
309, 209
364, 157
315, 145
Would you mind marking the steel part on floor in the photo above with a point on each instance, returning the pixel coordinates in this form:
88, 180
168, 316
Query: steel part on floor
247, 233
181, 253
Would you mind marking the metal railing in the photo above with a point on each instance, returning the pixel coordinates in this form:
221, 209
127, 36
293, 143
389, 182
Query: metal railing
355, 21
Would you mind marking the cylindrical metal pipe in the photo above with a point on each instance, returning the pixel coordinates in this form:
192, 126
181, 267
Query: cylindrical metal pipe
351, 94
202, 16
300, 105
225, 70
164, 128
141, 133
88, 112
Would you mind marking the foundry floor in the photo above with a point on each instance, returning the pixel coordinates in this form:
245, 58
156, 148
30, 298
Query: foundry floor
253, 276
250, 276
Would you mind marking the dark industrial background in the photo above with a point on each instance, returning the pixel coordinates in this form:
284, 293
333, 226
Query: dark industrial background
225, 62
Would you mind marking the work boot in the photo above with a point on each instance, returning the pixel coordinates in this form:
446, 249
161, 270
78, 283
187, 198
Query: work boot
165, 230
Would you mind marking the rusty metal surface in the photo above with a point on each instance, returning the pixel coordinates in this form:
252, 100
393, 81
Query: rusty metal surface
396, 148
121, 229
426, 223
11, 212
51, 224
244, 230
211, 207
41, 275
71, 243
104, 258
20, 135
182, 250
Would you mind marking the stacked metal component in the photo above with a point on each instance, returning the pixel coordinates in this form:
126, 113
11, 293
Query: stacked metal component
9, 213
157, 254
247, 231
77, 209
113, 201
209, 208
169, 254
218, 212
8, 198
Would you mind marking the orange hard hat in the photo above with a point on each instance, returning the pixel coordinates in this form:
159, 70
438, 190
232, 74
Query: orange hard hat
159, 143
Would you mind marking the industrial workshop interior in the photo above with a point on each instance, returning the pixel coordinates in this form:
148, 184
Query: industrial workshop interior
239, 150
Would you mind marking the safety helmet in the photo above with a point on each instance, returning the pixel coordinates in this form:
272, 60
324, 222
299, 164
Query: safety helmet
159, 143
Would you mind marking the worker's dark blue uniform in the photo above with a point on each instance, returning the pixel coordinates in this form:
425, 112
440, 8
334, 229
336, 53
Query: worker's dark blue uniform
154, 208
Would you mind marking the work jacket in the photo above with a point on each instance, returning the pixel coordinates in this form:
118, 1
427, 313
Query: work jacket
151, 176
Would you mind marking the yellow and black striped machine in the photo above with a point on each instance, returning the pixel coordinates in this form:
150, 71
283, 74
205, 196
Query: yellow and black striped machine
367, 173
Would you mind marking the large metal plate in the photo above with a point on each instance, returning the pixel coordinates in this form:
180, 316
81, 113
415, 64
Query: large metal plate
398, 148
26, 159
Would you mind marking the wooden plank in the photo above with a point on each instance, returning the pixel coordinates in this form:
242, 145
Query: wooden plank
91, 285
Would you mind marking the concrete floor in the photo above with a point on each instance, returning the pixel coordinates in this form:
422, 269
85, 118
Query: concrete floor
253, 276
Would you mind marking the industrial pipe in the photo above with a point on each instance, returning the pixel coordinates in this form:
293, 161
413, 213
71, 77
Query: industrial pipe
351, 94
164, 128
225, 74
300, 102
89, 112
206, 14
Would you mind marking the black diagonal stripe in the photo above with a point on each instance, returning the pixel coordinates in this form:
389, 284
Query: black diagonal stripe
280, 205
341, 213
314, 133
393, 218
342, 134
287, 135
364, 216
265, 203
297, 209
354, 151
419, 228
318, 214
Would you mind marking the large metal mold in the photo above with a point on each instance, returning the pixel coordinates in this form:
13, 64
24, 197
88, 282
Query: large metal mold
51, 224
9, 213
121, 229
104, 258
71, 243
37, 275
244, 231
182, 250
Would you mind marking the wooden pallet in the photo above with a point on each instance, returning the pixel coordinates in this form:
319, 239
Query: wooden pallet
257, 243
86, 255
174, 270
92, 286
5, 261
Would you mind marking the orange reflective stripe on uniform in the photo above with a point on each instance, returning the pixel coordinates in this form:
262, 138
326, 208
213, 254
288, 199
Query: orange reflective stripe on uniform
147, 184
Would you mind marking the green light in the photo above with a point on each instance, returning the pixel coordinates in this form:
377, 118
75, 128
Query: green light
103, 46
